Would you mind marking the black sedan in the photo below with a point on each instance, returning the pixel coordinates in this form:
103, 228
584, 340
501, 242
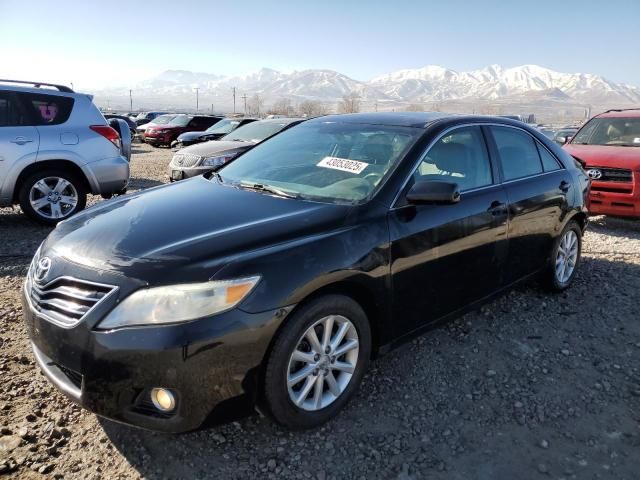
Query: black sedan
273, 282
208, 156
214, 132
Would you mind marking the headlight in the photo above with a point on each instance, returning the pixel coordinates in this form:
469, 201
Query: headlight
178, 303
218, 161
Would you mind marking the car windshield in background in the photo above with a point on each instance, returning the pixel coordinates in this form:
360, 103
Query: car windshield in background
223, 126
255, 131
623, 132
180, 121
163, 119
325, 161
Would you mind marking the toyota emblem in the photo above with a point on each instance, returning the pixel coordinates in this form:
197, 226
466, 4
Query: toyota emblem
42, 269
594, 173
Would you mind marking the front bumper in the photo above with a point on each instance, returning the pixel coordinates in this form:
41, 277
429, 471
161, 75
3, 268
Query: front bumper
181, 173
207, 363
621, 200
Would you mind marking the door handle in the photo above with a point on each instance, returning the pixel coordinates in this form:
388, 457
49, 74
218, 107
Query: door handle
497, 208
21, 140
564, 186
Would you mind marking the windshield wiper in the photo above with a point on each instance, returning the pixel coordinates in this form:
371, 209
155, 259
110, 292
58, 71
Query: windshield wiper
268, 189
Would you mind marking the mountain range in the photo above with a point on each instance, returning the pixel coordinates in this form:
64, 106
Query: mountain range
429, 84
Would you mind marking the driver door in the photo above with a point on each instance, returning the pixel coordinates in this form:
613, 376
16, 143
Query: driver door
445, 257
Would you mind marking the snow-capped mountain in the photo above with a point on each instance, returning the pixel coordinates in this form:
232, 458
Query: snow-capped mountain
428, 84
493, 82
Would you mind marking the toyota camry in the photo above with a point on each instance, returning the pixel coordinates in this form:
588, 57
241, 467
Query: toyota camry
274, 281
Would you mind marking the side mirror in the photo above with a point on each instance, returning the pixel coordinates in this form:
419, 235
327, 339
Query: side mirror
567, 140
433, 192
561, 140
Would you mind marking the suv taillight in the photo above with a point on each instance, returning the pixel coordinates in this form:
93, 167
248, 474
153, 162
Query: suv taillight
108, 133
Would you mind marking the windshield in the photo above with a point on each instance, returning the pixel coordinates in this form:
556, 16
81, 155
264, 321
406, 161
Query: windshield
255, 131
223, 126
624, 132
180, 121
162, 119
326, 161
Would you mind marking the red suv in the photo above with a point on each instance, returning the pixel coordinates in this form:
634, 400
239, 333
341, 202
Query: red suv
165, 134
609, 147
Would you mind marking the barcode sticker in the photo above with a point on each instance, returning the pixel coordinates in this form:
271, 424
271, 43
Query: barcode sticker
343, 164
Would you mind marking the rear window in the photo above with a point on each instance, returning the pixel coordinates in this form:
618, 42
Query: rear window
46, 109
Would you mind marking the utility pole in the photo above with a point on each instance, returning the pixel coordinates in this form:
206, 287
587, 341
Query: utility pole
244, 97
130, 101
212, 108
234, 99
197, 99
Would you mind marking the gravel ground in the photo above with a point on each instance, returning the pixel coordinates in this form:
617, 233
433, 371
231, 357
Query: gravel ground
530, 386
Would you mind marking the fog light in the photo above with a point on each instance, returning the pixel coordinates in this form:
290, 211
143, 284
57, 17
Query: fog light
163, 399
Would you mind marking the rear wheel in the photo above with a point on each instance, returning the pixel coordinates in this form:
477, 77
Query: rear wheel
317, 362
565, 257
52, 195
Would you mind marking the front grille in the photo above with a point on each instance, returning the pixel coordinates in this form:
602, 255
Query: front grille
185, 160
614, 174
67, 300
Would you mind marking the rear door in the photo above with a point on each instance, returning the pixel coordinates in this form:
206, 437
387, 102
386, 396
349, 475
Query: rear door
537, 188
445, 257
19, 140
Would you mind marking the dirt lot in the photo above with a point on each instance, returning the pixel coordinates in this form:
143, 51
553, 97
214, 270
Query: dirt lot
531, 386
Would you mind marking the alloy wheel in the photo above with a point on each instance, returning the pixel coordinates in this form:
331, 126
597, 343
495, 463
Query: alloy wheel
567, 256
323, 362
53, 197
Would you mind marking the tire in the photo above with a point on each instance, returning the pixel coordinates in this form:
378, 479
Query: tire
553, 282
317, 409
48, 214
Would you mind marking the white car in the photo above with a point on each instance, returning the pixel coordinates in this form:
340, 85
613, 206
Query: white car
55, 148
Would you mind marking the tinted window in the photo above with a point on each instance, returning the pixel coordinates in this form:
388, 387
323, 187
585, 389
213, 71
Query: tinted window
46, 109
518, 153
10, 115
549, 162
460, 157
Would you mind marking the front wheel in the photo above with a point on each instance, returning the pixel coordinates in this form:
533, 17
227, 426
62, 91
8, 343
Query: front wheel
565, 258
317, 362
52, 195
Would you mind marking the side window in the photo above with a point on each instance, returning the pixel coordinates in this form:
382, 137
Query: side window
47, 109
549, 162
461, 157
518, 153
10, 115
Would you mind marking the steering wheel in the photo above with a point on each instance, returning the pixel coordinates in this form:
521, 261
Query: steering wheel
373, 177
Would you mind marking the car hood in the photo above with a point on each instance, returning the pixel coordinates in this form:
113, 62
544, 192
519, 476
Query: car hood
606, 156
183, 226
206, 149
190, 135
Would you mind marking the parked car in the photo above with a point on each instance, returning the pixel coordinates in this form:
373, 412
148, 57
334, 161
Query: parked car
146, 117
158, 135
214, 132
273, 281
549, 132
208, 156
55, 148
564, 134
159, 120
608, 145
132, 125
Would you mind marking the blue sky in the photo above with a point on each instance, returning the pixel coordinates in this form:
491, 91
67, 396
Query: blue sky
96, 44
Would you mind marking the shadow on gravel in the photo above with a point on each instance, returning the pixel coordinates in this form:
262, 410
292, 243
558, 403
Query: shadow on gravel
531, 385
143, 183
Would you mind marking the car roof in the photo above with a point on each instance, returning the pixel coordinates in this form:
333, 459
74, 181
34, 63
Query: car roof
282, 120
621, 113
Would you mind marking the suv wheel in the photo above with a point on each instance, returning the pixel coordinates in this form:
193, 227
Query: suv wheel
317, 362
565, 257
52, 195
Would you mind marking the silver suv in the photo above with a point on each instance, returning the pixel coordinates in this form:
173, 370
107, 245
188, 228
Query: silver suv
55, 148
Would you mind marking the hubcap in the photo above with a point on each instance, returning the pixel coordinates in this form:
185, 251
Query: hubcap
567, 256
53, 197
323, 362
